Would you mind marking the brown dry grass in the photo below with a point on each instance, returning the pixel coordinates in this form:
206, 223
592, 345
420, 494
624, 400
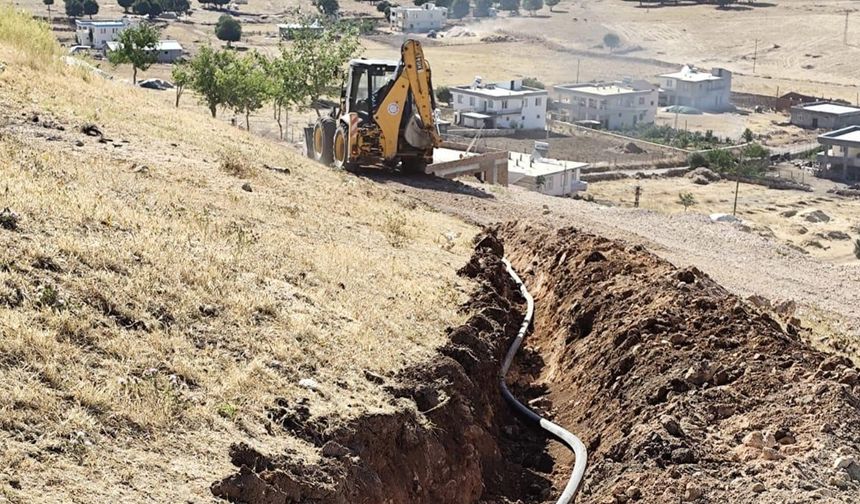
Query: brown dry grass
151, 310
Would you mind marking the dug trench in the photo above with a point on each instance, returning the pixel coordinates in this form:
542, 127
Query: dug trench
681, 391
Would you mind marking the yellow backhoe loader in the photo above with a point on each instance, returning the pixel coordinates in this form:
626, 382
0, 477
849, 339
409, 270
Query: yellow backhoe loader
387, 115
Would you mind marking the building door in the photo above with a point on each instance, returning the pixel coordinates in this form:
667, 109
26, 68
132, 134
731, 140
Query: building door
814, 123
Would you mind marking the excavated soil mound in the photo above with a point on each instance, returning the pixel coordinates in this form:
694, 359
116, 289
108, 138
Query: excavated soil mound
452, 439
682, 391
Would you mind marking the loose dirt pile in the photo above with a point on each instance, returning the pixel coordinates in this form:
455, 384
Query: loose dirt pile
682, 391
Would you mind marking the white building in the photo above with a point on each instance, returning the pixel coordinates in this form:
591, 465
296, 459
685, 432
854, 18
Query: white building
167, 51
707, 91
616, 105
826, 115
841, 157
502, 105
425, 18
544, 175
97, 34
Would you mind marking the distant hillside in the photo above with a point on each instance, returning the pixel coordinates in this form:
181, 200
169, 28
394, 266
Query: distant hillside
166, 279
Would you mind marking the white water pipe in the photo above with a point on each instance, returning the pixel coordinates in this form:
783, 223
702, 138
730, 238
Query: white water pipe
559, 432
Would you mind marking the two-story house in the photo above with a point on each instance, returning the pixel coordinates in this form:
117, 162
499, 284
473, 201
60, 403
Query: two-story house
97, 34
615, 105
425, 18
690, 87
501, 105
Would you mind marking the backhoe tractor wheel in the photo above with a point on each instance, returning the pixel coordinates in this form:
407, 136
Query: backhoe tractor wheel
413, 165
323, 139
340, 150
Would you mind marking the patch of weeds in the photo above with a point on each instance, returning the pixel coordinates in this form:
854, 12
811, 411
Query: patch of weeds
235, 163
396, 229
47, 296
228, 410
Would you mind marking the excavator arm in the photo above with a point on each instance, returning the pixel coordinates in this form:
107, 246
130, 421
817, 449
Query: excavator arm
412, 79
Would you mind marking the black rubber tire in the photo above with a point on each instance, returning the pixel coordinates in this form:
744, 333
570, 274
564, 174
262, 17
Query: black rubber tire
413, 165
341, 161
324, 139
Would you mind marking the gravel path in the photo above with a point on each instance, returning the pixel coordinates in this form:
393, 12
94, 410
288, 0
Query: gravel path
743, 262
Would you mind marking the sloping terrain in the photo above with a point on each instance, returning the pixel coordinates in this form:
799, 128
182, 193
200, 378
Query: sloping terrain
152, 311
682, 391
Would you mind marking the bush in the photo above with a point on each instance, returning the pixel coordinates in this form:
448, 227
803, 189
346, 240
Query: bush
755, 151
443, 93
459, 9
697, 160
228, 29
534, 83
720, 160
611, 41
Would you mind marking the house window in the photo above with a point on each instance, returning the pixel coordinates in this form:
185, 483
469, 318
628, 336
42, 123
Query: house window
504, 104
537, 102
459, 98
548, 183
490, 105
525, 102
538, 116
641, 100
472, 101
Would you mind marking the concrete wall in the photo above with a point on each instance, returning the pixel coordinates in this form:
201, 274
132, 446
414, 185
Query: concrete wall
813, 120
709, 95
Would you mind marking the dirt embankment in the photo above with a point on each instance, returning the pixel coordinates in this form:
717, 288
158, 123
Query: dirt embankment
682, 391
453, 439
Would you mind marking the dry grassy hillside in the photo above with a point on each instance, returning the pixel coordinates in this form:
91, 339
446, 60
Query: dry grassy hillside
152, 310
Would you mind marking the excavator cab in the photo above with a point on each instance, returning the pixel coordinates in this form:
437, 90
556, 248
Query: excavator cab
386, 115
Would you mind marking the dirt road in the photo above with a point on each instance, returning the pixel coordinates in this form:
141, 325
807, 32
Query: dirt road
828, 295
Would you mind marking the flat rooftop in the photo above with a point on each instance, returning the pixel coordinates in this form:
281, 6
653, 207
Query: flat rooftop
520, 162
498, 92
851, 134
601, 89
688, 75
162, 45
830, 108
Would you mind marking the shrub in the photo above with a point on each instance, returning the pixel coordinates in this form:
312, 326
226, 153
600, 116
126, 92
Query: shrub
697, 160
443, 93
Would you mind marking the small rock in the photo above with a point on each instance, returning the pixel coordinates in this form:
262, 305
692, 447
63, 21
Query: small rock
816, 216
79, 143
692, 492
208, 310
843, 462
771, 454
633, 492
826, 428
849, 377
9, 219
309, 383
754, 439
678, 339
247, 187
334, 449
683, 456
757, 487
769, 440
672, 426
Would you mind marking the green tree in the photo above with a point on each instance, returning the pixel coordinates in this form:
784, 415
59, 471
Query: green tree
482, 8
155, 8
748, 135
532, 6
720, 160
551, 3
286, 87
459, 9
443, 93
91, 8
755, 151
383, 6
181, 79
612, 41
510, 5
74, 8
141, 7
320, 59
136, 46
208, 71
697, 160
48, 4
686, 199
248, 85
327, 7
125, 4
533, 83
228, 29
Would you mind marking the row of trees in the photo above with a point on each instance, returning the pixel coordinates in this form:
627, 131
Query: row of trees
153, 8
77, 8
299, 76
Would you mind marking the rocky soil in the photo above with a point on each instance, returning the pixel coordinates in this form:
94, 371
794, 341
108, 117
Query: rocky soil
681, 390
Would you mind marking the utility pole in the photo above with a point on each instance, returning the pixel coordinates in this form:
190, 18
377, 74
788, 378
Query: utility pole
578, 61
845, 31
637, 191
755, 54
737, 183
